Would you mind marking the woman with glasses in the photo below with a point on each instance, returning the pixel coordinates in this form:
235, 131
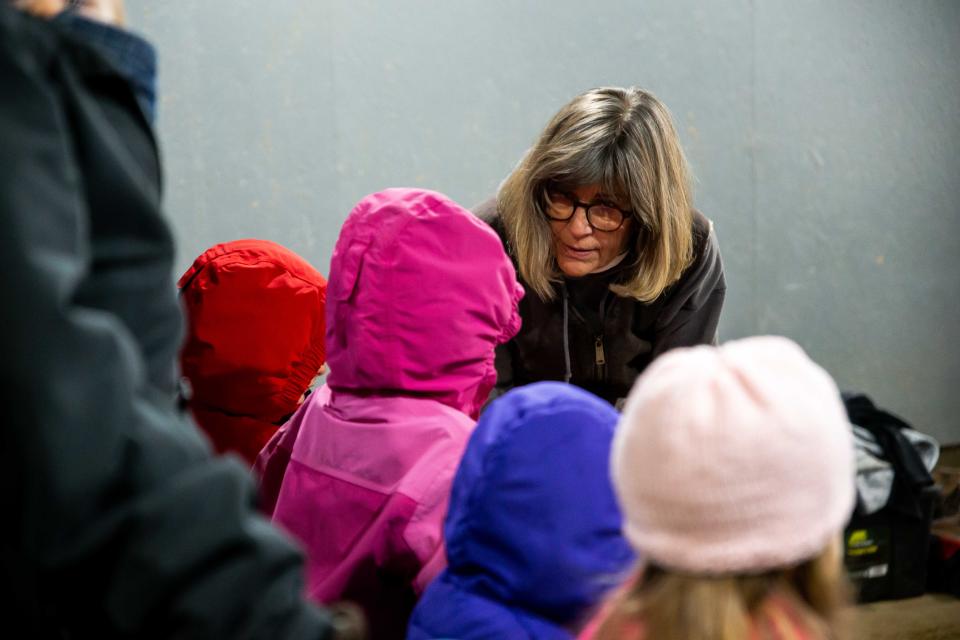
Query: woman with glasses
618, 266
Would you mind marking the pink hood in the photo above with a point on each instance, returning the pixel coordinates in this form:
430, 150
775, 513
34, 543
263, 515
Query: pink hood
420, 292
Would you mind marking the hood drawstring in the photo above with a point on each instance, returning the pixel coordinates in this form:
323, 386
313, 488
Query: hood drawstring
566, 336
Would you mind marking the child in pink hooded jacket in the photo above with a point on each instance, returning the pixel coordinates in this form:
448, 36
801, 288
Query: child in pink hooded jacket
420, 294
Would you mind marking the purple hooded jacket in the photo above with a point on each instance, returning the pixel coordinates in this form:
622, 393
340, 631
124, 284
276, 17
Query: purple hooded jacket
420, 294
533, 530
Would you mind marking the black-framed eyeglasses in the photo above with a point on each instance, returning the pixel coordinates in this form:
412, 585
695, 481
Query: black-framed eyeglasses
601, 216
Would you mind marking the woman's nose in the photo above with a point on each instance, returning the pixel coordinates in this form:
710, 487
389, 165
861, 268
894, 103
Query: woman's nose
579, 225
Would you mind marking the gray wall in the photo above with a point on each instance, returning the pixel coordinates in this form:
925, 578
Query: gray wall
824, 137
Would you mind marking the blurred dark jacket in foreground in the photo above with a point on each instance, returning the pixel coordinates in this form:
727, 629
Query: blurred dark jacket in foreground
117, 521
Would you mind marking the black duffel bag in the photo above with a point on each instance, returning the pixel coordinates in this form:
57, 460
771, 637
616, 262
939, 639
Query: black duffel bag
886, 552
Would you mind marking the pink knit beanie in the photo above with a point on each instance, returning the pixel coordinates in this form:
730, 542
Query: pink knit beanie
733, 459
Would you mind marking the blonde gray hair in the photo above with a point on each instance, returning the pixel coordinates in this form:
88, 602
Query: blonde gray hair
624, 140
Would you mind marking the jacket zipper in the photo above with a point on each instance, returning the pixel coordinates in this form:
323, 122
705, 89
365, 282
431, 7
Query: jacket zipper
601, 358
601, 361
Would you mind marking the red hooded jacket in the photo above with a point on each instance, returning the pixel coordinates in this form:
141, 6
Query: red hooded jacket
255, 340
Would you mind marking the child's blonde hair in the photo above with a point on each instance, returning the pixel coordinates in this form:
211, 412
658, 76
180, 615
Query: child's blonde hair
666, 604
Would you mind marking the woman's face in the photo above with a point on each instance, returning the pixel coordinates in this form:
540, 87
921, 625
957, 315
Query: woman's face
579, 248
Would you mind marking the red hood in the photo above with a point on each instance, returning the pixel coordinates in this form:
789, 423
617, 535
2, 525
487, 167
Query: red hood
255, 330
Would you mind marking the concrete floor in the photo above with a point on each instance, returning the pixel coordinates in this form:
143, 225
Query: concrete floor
929, 617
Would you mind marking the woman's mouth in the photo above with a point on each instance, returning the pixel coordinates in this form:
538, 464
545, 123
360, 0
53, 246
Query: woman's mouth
579, 254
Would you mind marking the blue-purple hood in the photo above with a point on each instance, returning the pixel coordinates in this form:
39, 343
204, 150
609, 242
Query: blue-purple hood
533, 528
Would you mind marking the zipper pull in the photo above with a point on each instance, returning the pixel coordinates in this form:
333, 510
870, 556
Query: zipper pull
598, 345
